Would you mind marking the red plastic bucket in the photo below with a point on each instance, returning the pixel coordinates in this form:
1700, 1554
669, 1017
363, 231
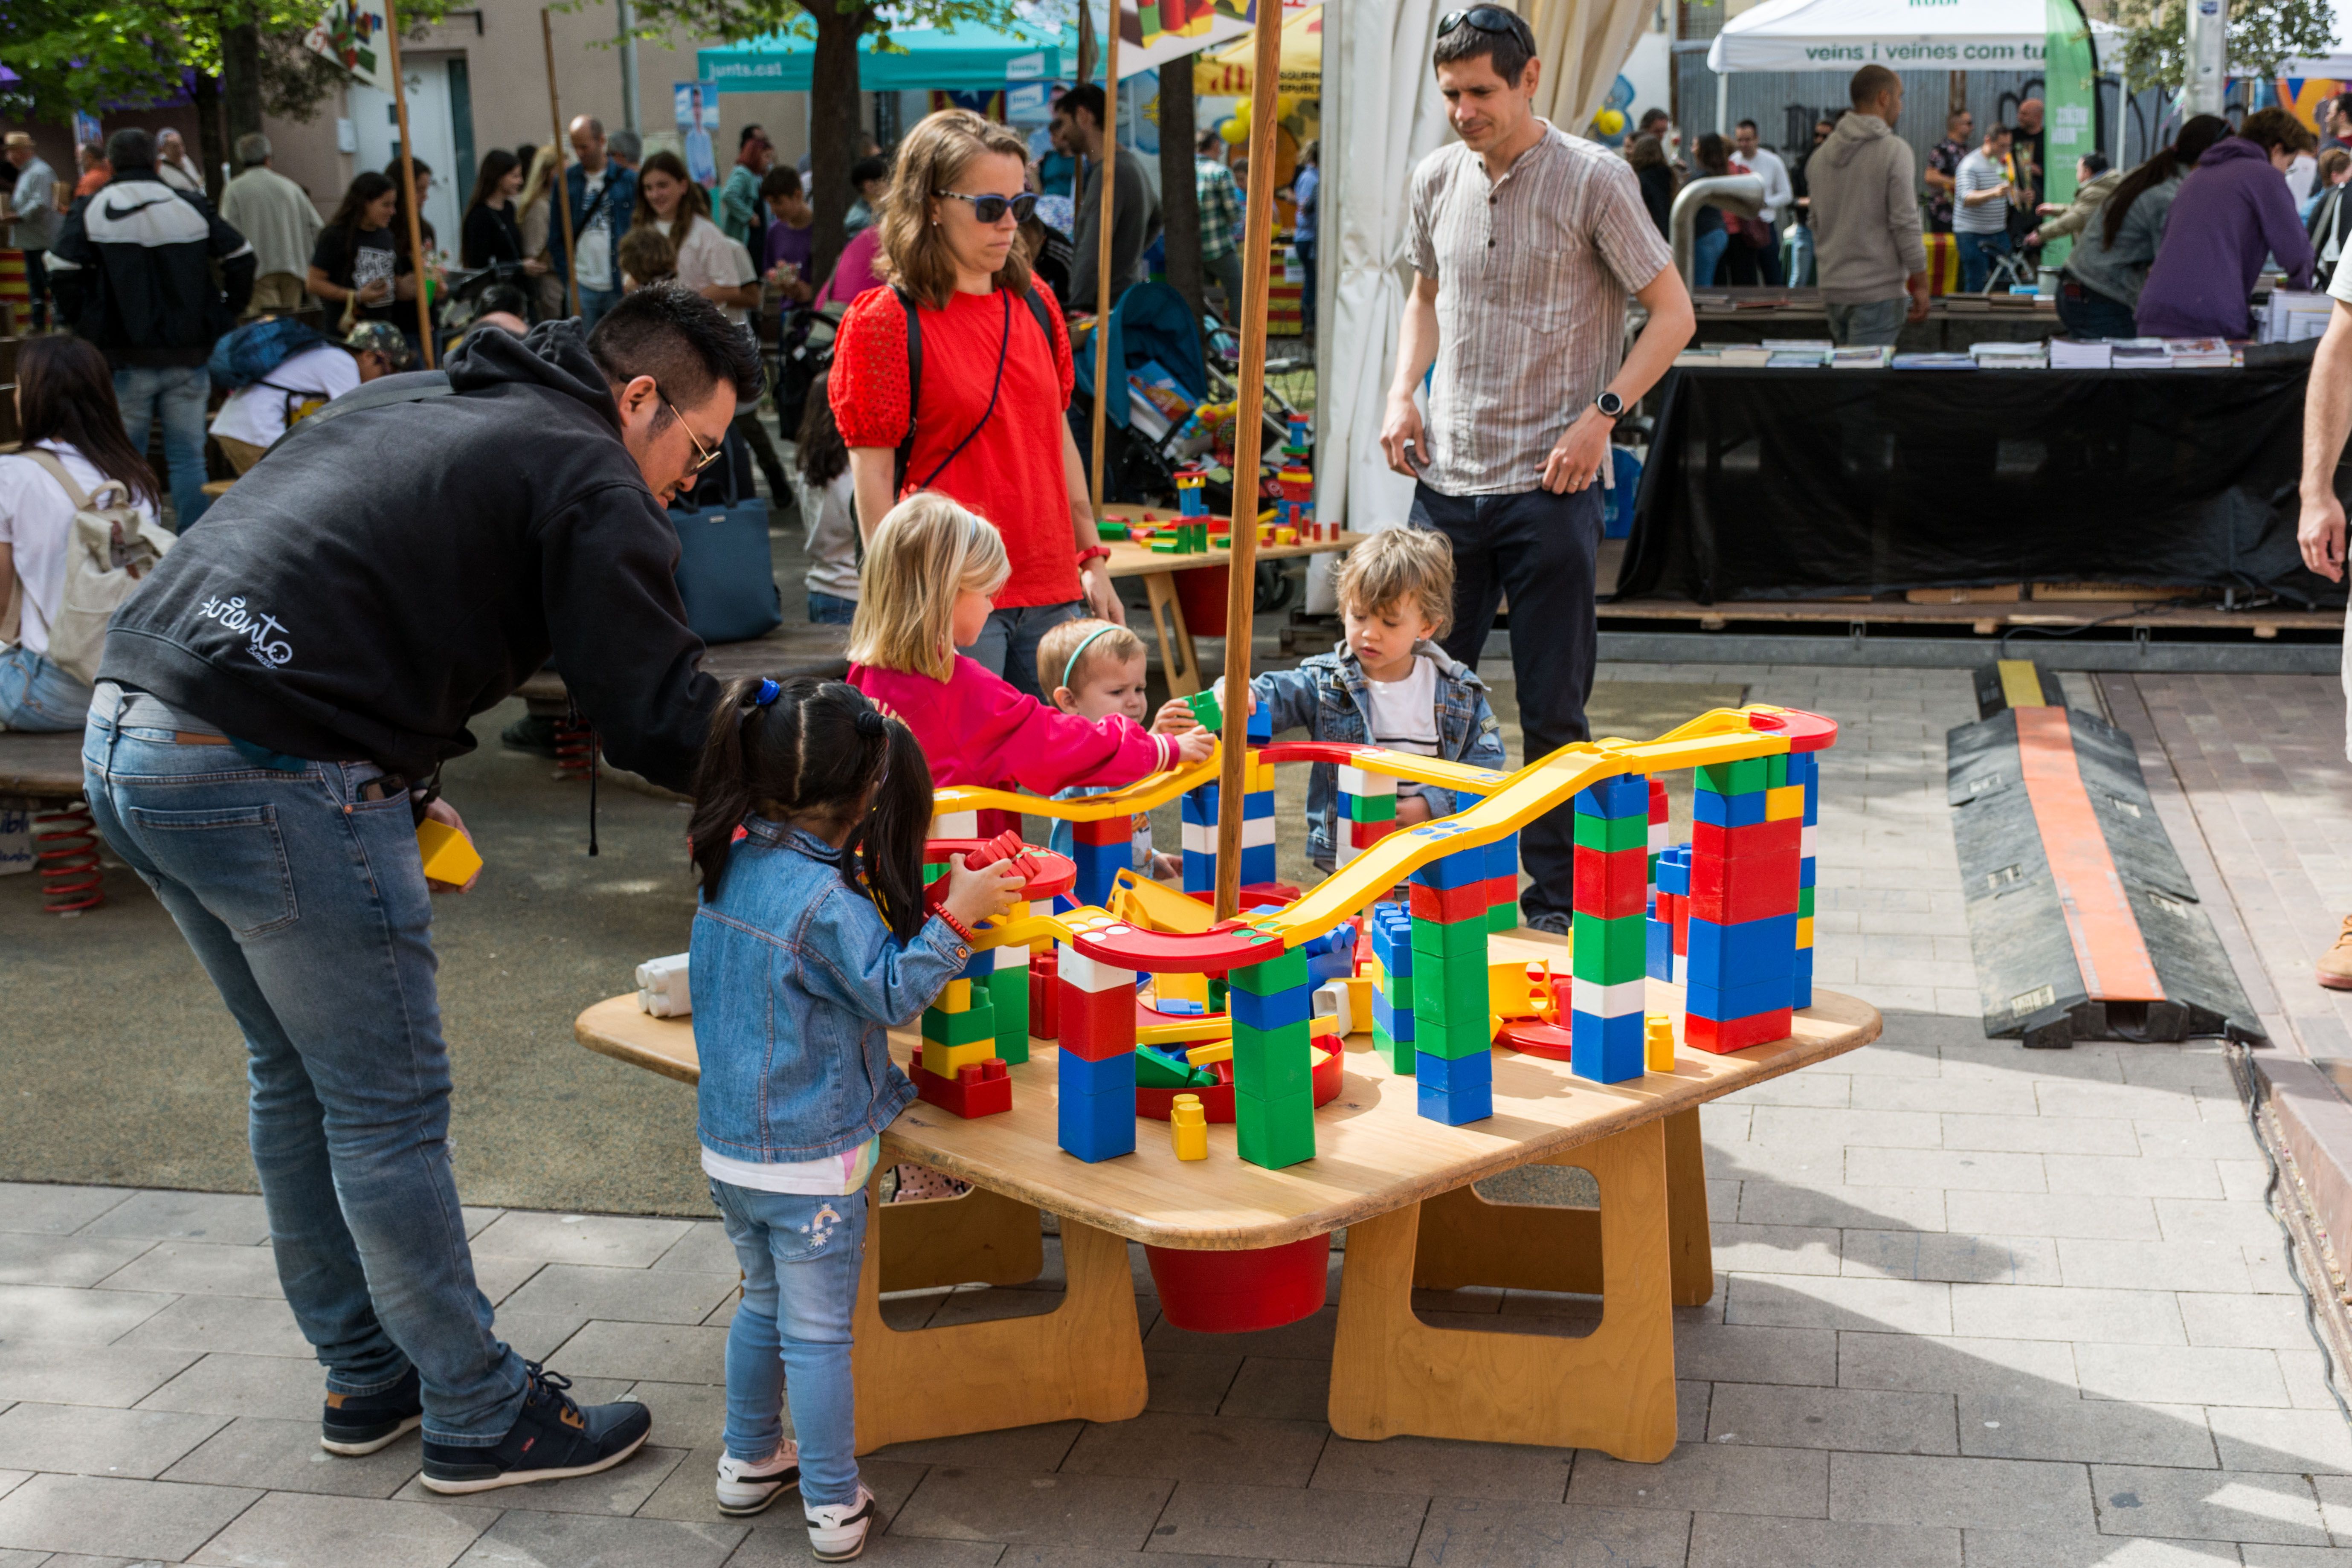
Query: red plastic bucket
1236, 1292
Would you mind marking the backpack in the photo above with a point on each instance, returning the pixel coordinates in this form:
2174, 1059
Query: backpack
249, 353
915, 387
109, 548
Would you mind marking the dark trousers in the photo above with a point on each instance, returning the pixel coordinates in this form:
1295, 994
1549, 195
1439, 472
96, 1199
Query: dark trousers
37, 284
2086, 314
1306, 249
1536, 549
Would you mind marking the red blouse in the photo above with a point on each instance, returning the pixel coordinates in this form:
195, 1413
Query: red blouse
1012, 472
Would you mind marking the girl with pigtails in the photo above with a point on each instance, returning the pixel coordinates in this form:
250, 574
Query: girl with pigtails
812, 939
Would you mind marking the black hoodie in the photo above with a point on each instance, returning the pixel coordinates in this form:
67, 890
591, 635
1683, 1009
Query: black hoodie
387, 575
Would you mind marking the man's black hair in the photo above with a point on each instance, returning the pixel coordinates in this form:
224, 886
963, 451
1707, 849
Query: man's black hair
1510, 51
1086, 96
750, 135
867, 169
685, 342
1651, 116
131, 148
780, 180
1746, 125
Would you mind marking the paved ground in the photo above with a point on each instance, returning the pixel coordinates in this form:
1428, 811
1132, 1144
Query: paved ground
1974, 1305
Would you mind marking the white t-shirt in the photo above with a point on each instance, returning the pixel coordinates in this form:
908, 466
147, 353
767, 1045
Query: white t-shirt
706, 255
829, 517
1404, 713
1979, 172
36, 519
830, 1176
595, 251
255, 415
1767, 166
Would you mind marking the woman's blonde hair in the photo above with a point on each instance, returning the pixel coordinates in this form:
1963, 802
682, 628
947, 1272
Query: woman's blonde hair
932, 159
545, 165
927, 551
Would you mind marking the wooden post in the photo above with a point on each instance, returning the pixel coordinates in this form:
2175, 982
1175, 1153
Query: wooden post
1241, 592
408, 182
562, 170
1109, 162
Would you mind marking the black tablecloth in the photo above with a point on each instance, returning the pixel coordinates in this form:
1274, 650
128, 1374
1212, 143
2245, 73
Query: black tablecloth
1807, 483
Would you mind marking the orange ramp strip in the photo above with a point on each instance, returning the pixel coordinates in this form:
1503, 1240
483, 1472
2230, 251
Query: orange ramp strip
2099, 921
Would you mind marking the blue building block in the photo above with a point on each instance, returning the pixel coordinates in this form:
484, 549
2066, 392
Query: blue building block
1658, 951
1674, 870
981, 965
1284, 1007
1502, 856
1096, 1118
1097, 864
1199, 871
1606, 1050
1728, 810
1625, 795
1455, 1090
1257, 864
1800, 981
1728, 956
1201, 804
1394, 1021
1723, 1004
1458, 870
1260, 732
1805, 872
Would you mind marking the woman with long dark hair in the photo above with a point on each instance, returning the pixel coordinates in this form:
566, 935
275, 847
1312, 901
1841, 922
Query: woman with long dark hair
65, 405
357, 264
493, 231
2098, 289
1711, 159
1646, 155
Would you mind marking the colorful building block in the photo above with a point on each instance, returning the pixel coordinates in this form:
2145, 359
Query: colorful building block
1188, 1127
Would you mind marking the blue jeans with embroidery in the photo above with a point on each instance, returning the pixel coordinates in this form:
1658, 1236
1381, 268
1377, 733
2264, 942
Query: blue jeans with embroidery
176, 395
39, 693
801, 1257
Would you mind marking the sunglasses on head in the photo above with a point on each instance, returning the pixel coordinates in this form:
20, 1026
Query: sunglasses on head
1485, 18
992, 209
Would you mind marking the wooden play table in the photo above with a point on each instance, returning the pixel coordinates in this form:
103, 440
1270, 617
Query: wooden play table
1381, 1171
1128, 558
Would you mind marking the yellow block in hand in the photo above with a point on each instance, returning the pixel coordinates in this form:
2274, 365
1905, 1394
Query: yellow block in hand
1188, 1125
447, 853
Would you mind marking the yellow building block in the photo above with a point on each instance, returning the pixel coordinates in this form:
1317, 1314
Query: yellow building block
949, 1060
1784, 803
1260, 775
449, 857
1359, 1001
1804, 930
1657, 1043
1510, 992
956, 998
1188, 1125
1183, 988
1141, 901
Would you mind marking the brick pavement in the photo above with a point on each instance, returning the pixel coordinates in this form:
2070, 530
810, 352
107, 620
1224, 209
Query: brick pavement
1974, 1305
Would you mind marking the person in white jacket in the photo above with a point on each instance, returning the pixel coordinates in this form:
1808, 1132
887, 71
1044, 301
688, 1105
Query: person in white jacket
1750, 152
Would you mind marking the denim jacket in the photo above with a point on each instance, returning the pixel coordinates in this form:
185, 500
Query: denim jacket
1327, 695
796, 981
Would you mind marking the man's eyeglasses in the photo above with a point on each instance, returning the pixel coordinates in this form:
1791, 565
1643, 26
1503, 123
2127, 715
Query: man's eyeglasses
1486, 19
992, 209
703, 456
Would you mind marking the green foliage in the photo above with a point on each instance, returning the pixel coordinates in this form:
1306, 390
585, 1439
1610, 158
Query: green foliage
739, 21
2262, 34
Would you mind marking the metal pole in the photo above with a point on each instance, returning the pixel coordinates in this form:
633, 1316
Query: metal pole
562, 173
408, 180
1241, 589
2205, 42
1109, 176
625, 15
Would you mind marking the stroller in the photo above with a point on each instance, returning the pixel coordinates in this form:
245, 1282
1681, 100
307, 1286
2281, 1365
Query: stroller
1155, 351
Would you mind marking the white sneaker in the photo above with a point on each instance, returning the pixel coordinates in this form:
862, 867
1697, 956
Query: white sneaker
838, 1531
747, 1486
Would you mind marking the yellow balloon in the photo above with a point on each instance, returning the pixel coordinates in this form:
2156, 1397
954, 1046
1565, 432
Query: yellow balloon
1609, 122
1242, 112
1285, 104
1233, 131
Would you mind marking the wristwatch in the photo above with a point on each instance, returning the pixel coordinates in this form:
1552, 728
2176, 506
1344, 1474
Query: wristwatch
1611, 406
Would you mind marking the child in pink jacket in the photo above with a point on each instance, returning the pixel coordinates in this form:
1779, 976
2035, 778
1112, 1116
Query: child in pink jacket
930, 570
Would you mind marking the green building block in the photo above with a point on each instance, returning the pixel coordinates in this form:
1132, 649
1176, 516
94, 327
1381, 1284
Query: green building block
1273, 1063
1804, 902
1397, 1054
1459, 995
1155, 1069
1453, 1041
1167, 547
1776, 771
961, 1029
1745, 776
1458, 940
1273, 977
1008, 998
1609, 952
1273, 1133
1503, 917
1398, 991
1204, 708
1110, 530
1611, 833
1372, 808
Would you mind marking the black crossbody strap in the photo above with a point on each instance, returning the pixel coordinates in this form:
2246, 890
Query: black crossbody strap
915, 382
914, 388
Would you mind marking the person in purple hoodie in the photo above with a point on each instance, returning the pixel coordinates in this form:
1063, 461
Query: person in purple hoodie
2233, 209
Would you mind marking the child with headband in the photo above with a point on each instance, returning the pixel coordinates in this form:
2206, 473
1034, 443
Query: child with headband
1094, 669
812, 939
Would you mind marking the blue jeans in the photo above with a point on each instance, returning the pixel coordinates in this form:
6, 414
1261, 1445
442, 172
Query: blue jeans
593, 303
1008, 644
178, 393
2085, 312
1707, 252
37, 693
790, 1339
306, 906
1977, 251
831, 609
1306, 249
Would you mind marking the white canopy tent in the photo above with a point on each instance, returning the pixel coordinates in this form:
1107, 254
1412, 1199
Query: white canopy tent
2335, 64
1901, 35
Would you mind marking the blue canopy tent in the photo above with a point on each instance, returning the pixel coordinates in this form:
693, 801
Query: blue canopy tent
969, 58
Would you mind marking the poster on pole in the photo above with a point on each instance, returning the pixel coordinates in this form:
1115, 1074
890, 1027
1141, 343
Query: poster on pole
2070, 105
351, 34
696, 107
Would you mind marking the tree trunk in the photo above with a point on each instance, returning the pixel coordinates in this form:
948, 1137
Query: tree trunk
1179, 205
241, 81
833, 102
212, 136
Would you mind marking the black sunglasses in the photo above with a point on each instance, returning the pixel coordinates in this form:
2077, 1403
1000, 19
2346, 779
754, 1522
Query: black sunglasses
1486, 19
992, 209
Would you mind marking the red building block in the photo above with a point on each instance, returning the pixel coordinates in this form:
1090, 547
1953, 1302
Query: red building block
1611, 885
1710, 840
1725, 1036
1097, 1025
1731, 891
1044, 996
1109, 830
1449, 906
1501, 890
984, 1088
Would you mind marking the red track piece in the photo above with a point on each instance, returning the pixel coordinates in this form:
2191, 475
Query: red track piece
1048, 873
1212, 952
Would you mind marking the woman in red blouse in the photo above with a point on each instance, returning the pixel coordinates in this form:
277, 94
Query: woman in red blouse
996, 377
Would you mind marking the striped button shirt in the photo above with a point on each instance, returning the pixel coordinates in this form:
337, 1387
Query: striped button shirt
1532, 273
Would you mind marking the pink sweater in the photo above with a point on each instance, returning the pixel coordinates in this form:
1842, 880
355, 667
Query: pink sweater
975, 728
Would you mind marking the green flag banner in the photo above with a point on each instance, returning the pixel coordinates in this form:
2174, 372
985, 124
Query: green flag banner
2070, 97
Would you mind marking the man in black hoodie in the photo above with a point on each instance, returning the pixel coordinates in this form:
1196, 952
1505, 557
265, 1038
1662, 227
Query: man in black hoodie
271, 713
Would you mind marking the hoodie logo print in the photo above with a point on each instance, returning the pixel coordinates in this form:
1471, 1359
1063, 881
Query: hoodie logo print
257, 627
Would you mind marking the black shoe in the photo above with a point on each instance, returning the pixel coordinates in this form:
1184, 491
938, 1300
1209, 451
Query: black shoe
553, 1439
534, 733
356, 1424
1555, 925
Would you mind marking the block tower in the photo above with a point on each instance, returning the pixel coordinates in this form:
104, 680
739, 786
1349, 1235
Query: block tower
1502, 863
1191, 533
959, 1069
1453, 1040
1297, 482
1367, 813
1668, 927
1008, 991
1096, 1033
1274, 1079
1611, 952
1805, 768
1200, 807
1390, 930
1746, 843
1100, 850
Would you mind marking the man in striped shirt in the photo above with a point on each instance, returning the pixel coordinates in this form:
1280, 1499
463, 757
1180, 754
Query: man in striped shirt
1526, 242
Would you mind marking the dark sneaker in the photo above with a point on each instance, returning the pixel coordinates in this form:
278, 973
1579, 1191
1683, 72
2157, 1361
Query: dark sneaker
1551, 924
747, 1486
553, 1439
356, 1424
534, 733
837, 1531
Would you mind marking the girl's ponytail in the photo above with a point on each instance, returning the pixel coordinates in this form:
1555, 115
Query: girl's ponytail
889, 841
749, 737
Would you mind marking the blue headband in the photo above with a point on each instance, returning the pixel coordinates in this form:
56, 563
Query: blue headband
1079, 652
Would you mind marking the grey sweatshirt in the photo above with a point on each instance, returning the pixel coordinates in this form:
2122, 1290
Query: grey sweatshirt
1865, 213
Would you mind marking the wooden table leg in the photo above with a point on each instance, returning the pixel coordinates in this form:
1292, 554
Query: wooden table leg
1466, 1240
1612, 1389
981, 1237
1082, 1361
1177, 659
